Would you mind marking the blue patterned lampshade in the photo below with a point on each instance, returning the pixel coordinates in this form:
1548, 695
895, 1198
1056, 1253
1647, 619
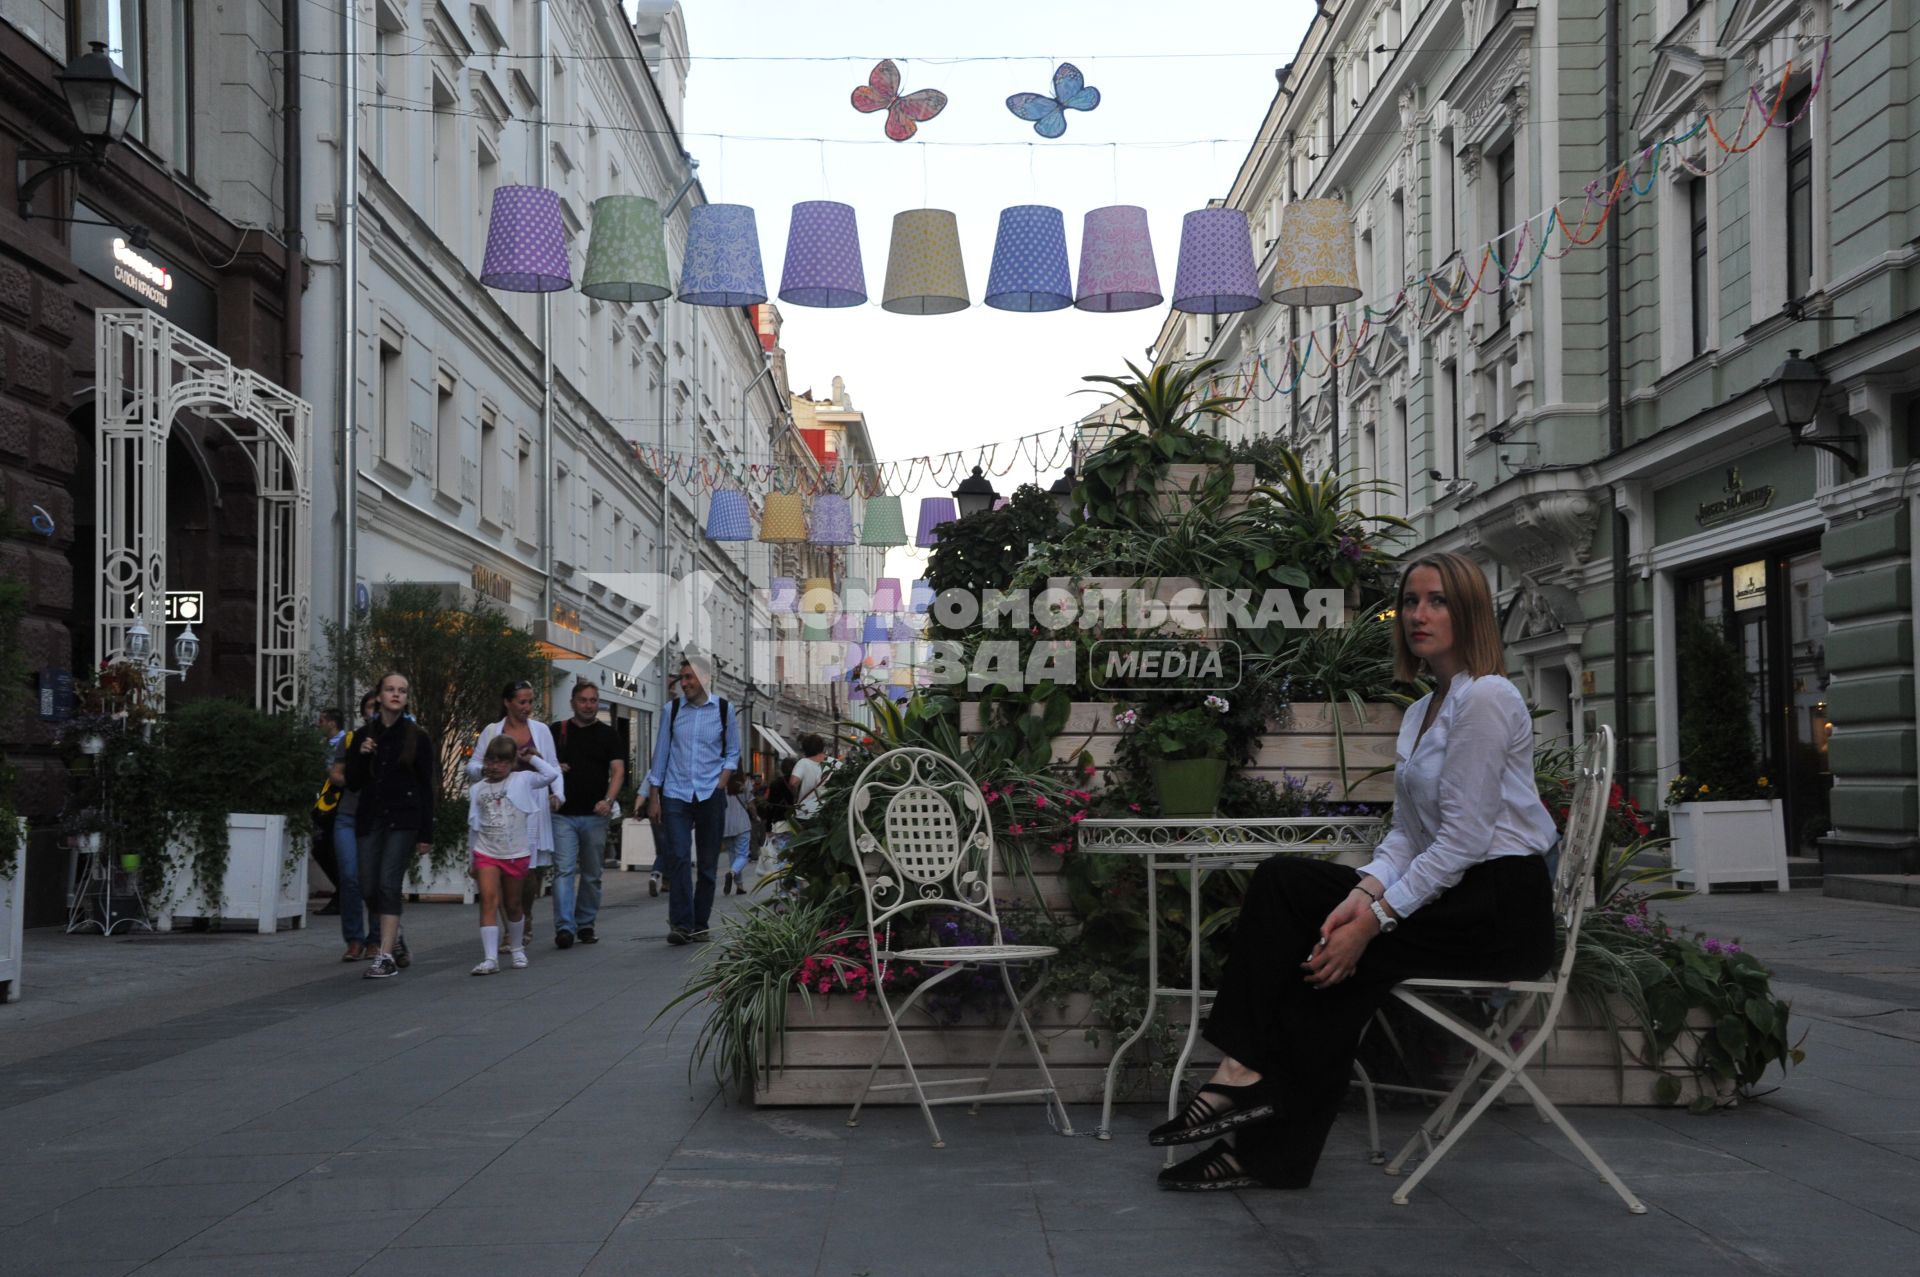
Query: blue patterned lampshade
1030, 261
728, 517
1216, 274
934, 511
526, 242
884, 524
832, 520
922, 598
783, 595
877, 630
823, 265
722, 262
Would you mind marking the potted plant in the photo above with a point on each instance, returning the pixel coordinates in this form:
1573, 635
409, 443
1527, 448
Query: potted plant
1726, 817
1187, 750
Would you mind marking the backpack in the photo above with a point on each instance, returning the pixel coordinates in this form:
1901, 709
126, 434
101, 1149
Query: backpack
673, 716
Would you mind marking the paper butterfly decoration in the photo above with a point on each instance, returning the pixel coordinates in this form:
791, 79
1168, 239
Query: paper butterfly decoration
905, 114
1049, 114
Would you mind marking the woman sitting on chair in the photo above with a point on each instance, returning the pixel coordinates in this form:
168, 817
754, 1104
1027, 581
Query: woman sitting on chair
1458, 889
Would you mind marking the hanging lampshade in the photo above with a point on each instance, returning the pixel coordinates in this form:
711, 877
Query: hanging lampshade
877, 630
728, 516
1216, 275
1313, 264
784, 520
526, 243
823, 257
832, 521
886, 595
783, 595
1001, 503
903, 631
816, 597
627, 255
1029, 270
934, 511
722, 262
1117, 270
884, 525
846, 628
925, 274
922, 595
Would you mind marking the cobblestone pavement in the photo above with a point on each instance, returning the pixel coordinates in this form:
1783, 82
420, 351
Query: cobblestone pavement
192, 1102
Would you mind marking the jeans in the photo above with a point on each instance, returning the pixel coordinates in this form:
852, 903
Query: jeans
356, 922
579, 847
385, 853
742, 851
695, 828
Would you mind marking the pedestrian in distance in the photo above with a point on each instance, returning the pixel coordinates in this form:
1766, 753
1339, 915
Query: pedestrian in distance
738, 832
359, 925
326, 806
500, 811
393, 769
697, 752
589, 753
518, 725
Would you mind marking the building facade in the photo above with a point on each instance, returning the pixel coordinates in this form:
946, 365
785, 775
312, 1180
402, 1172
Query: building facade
1594, 424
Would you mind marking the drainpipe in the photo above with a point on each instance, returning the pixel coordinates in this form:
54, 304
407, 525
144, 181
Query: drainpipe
542, 163
349, 284
290, 196
1293, 319
1616, 400
1333, 312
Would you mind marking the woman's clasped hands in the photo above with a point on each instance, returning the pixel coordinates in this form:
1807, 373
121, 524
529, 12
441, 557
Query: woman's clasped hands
1344, 936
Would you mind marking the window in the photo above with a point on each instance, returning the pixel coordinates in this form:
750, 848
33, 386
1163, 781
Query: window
1504, 207
389, 63
1364, 263
1369, 466
1399, 462
1397, 245
1453, 424
493, 496
1701, 300
391, 409
1799, 198
1443, 227
448, 449
487, 177
448, 168
526, 494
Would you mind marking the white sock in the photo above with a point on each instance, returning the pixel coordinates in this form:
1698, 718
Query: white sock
517, 932
490, 943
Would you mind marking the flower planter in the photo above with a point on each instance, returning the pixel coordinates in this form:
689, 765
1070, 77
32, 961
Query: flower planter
11, 914
636, 844
1715, 844
451, 883
1189, 787
265, 883
1591, 1063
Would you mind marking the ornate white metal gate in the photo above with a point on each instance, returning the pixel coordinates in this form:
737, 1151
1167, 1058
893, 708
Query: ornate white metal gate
149, 372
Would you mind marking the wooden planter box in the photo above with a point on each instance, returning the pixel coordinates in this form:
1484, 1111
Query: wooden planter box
1578, 1065
1173, 489
1721, 843
266, 880
1304, 746
12, 912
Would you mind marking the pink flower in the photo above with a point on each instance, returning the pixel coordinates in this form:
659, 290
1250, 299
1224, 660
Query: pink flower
1133, 806
1090, 770
825, 986
1059, 848
1039, 800
1076, 818
859, 995
1016, 828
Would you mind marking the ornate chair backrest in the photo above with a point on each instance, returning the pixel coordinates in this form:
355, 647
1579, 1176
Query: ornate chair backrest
1586, 829
921, 837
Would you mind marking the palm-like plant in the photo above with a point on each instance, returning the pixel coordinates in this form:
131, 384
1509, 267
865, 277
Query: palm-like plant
1166, 398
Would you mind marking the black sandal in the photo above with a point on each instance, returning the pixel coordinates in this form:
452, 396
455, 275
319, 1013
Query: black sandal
1215, 1170
1201, 1120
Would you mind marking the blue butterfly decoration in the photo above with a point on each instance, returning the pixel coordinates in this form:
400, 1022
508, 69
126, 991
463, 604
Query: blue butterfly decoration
1049, 114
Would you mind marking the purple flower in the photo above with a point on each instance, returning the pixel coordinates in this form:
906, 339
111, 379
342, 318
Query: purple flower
1351, 549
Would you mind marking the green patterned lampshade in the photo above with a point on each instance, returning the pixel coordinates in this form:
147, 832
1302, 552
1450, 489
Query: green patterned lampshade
627, 256
884, 525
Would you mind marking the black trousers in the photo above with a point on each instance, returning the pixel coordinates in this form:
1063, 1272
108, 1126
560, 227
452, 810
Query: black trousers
1496, 923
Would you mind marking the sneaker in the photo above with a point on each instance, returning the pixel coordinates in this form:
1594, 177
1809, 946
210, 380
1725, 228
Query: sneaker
653, 884
486, 966
519, 959
383, 968
563, 939
402, 956
701, 936
586, 936
676, 936
726, 888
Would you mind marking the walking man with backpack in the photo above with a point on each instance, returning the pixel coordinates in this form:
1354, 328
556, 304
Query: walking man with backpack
698, 750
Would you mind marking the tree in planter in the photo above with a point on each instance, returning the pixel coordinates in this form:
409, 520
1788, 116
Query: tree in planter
1718, 758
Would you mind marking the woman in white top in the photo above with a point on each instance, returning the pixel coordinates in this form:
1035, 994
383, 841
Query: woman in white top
809, 774
1458, 889
530, 735
500, 812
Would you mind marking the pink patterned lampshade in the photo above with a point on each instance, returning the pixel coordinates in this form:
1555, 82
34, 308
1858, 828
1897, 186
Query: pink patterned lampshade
886, 595
526, 242
823, 265
1216, 275
1117, 270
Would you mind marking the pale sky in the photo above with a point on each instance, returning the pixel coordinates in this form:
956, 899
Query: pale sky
1167, 73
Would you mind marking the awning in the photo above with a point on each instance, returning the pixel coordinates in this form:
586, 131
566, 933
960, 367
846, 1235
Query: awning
773, 738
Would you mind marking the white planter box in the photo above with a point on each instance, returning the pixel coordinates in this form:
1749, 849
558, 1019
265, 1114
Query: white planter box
1719, 843
453, 883
10, 916
636, 845
266, 878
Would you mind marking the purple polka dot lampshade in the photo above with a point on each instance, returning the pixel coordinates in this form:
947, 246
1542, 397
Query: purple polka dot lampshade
728, 517
1216, 275
934, 511
526, 243
1029, 271
832, 521
722, 262
823, 265
1117, 270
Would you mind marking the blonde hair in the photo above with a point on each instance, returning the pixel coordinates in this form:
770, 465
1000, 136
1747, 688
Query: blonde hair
1476, 631
501, 749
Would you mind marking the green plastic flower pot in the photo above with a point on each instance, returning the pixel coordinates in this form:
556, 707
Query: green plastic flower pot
1190, 787
130, 862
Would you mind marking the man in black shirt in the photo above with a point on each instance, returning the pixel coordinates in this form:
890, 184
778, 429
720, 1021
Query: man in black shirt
590, 757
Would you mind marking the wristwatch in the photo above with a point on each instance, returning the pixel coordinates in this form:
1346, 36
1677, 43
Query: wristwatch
1387, 921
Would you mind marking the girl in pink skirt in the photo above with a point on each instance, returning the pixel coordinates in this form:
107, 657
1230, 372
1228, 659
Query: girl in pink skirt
499, 808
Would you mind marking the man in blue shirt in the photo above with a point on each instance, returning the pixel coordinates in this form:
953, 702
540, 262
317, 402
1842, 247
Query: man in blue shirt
697, 750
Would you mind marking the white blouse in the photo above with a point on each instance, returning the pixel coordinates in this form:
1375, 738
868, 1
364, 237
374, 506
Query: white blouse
1465, 793
540, 820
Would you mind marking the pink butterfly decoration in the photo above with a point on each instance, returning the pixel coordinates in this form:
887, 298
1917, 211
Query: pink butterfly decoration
905, 114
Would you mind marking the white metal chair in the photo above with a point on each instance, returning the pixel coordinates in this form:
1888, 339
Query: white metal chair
923, 841
1573, 888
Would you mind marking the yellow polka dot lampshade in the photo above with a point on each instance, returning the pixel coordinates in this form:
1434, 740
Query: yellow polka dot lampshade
925, 274
784, 519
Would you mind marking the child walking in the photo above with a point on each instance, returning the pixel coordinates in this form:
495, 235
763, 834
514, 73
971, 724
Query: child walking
737, 835
498, 810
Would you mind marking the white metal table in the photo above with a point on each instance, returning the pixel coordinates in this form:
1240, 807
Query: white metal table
1199, 845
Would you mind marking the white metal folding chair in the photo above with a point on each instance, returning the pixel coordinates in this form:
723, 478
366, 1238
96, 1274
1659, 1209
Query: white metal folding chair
923, 841
1493, 1044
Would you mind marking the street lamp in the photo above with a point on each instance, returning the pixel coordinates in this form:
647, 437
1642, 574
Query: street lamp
974, 495
139, 641
186, 649
1794, 393
102, 100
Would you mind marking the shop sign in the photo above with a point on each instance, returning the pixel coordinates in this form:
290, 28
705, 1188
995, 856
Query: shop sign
1739, 502
1750, 585
493, 585
623, 683
106, 253
183, 607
